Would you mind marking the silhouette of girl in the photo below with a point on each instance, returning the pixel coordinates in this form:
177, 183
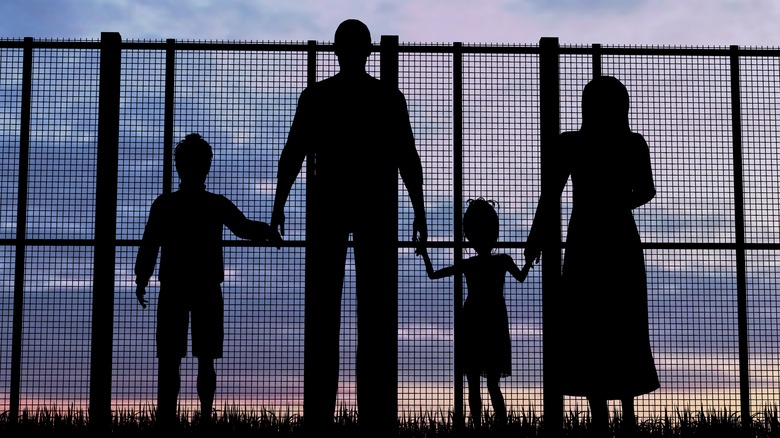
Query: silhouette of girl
486, 348
604, 291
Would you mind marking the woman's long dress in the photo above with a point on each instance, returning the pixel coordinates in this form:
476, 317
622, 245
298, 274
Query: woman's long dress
603, 310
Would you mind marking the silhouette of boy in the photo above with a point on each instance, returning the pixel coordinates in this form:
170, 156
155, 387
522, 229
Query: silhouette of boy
186, 228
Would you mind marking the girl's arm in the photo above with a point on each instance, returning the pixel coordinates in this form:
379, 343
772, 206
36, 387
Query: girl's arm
434, 275
513, 269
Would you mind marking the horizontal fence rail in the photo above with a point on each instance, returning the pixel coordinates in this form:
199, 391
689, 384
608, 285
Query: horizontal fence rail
86, 144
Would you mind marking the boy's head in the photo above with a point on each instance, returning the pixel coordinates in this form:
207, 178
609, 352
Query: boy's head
480, 223
193, 159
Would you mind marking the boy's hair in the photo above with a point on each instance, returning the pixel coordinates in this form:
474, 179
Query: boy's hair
480, 222
192, 149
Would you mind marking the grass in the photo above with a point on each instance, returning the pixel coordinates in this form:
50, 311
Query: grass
233, 421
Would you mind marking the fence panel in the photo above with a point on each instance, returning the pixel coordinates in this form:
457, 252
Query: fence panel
242, 98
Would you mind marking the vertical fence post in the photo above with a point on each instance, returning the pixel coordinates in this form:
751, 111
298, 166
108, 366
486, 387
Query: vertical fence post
457, 237
170, 90
739, 236
310, 268
596, 60
21, 232
388, 73
105, 232
549, 120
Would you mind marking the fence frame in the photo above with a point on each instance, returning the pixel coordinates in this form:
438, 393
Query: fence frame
105, 242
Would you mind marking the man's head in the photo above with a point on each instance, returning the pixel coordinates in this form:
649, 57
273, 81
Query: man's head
193, 159
352, 44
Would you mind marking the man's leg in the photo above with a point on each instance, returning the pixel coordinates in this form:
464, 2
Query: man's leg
376, 266
324, 282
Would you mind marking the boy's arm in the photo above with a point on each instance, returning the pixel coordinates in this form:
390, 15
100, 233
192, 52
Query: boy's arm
246, 228
147, 254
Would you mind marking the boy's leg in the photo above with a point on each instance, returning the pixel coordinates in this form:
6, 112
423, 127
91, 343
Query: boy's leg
168, 384
207, 386
207, 342
171, 338
497, 398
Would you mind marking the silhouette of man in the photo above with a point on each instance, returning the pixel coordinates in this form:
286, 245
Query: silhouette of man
185, 227
355, 130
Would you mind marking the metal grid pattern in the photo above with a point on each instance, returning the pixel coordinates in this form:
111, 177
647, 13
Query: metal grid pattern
692, 293
11, 77
57, 280
501, 163
242, 99
425, 306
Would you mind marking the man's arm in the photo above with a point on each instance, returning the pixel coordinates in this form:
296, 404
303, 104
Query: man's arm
290, 161
410, 168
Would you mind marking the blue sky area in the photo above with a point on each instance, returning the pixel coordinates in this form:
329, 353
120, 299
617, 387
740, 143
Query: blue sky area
686, 22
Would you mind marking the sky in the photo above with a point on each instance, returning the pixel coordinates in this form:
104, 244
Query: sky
656, 22
631, 22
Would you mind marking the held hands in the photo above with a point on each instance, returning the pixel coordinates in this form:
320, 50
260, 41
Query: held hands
271, 235
277, 221
419, 229
140, 292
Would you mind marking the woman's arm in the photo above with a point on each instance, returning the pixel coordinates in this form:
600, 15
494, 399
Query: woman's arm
559, 171
643, 187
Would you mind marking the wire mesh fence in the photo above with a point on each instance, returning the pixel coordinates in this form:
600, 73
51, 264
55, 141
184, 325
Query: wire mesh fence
475, 113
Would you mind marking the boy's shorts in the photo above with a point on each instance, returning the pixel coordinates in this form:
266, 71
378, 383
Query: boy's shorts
176, 304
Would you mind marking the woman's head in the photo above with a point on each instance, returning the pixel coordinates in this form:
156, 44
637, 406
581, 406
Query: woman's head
605, 104
480, 223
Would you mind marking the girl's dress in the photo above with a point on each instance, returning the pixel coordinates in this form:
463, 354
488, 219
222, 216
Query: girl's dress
486, 346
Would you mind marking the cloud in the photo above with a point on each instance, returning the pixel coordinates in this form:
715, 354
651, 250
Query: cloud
693, 22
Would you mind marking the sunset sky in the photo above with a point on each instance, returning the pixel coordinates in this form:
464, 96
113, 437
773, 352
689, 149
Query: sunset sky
680, 105
673, 22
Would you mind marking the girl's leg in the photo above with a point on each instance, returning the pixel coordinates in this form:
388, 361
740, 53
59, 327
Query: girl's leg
475, 399
499, 407
599, 416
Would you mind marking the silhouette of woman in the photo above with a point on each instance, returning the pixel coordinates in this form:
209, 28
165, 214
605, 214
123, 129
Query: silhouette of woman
604, 290
486, 344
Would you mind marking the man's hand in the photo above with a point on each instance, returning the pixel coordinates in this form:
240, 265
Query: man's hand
419, 229
277, 221
273, 236
140, 292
